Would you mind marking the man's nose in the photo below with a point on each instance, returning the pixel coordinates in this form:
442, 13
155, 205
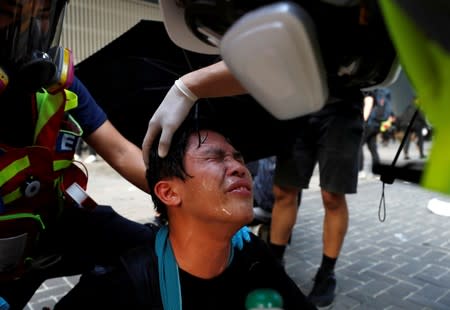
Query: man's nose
238, 168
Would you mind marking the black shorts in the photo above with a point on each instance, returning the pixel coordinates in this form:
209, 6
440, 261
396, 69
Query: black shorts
333, 141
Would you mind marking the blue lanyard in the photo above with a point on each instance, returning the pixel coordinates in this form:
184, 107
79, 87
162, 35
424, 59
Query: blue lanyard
169, 279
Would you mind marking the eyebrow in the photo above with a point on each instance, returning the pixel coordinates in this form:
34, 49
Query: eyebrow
221, 152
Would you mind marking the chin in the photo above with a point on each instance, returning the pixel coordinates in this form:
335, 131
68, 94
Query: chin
241, 211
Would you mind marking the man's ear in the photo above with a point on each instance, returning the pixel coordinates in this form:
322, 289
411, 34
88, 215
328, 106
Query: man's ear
167, 193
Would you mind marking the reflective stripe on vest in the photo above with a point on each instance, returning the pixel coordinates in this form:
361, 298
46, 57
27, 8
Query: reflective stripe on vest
8, 173
14, 168
61, 164
51, 111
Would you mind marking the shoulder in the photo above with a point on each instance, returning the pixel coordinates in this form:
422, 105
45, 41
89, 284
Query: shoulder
256, 251
105, 287
144, 252
84, 96
261, 269
81, 91
123, 283
77, 86
88, 113
255, 263
141, 266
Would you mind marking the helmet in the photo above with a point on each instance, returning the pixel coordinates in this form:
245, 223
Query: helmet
198, 25
173, 13
30, 57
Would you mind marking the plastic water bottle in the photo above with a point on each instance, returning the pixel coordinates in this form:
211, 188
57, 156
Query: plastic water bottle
264, 298
3, 304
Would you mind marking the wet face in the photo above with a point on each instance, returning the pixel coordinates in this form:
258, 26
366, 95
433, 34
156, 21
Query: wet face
221, 187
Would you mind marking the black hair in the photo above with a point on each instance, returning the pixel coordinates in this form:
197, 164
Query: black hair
172, 165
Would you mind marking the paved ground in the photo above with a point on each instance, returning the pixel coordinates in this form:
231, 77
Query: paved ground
401, 263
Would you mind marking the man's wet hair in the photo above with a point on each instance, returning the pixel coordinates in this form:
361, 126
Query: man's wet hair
172, 165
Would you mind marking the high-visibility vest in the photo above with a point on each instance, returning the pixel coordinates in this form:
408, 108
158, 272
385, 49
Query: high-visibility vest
33, 179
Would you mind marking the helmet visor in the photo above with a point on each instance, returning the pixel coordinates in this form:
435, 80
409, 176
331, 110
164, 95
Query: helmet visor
28, 27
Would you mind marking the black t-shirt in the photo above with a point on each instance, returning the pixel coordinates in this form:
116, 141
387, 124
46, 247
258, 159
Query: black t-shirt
253, 267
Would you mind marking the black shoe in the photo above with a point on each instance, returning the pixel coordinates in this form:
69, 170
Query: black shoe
323, 293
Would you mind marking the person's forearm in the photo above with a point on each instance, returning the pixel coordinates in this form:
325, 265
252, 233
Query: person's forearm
213, 81
131, 166
122, 155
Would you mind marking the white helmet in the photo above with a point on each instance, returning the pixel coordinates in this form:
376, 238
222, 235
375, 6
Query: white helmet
179, 32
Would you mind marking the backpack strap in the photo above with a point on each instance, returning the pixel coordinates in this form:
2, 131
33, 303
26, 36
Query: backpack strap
141, 265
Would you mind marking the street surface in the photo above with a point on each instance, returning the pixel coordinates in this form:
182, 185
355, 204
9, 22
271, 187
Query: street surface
401, 263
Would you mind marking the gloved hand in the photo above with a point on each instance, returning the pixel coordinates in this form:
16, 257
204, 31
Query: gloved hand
167, 118
240, 236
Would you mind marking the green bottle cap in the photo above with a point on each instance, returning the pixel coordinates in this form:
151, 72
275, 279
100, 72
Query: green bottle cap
264, 298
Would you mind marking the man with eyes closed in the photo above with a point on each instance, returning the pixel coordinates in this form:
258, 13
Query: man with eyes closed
203, 193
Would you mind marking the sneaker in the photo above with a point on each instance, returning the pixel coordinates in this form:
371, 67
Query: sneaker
90, 159
323, 292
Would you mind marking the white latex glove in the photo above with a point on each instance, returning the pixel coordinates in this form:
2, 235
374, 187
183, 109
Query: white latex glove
167, 118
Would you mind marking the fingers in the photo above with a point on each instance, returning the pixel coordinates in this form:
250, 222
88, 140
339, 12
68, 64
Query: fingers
240, 236
237, 241
154, 128
167, 118
246, 233
164, 141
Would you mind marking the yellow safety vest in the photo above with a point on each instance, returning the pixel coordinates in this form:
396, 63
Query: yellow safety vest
32, 179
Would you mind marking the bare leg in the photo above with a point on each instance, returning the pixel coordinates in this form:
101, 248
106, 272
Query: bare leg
335, 223
284, 214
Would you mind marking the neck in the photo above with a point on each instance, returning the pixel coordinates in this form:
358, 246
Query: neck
200, 252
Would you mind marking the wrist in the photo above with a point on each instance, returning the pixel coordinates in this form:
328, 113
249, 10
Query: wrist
185, 90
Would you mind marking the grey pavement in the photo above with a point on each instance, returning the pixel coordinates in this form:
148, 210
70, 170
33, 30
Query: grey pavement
401, 263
